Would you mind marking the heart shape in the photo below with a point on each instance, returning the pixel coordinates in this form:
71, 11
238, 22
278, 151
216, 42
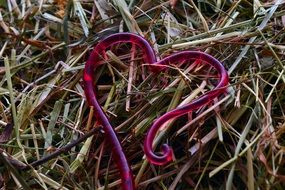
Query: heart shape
156, 66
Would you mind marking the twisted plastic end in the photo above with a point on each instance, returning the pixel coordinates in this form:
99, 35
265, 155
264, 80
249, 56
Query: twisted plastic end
165, 156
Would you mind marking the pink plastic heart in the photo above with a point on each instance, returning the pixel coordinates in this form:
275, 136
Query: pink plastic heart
155, 66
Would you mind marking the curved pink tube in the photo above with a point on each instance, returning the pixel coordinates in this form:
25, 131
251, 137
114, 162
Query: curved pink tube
149, 57
197, 103
91, 64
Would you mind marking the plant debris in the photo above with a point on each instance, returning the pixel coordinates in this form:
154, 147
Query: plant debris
237, 142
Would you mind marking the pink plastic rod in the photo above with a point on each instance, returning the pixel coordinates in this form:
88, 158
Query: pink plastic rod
183, 56
91, 64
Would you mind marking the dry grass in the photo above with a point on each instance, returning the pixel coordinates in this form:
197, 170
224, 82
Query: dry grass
235, 143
